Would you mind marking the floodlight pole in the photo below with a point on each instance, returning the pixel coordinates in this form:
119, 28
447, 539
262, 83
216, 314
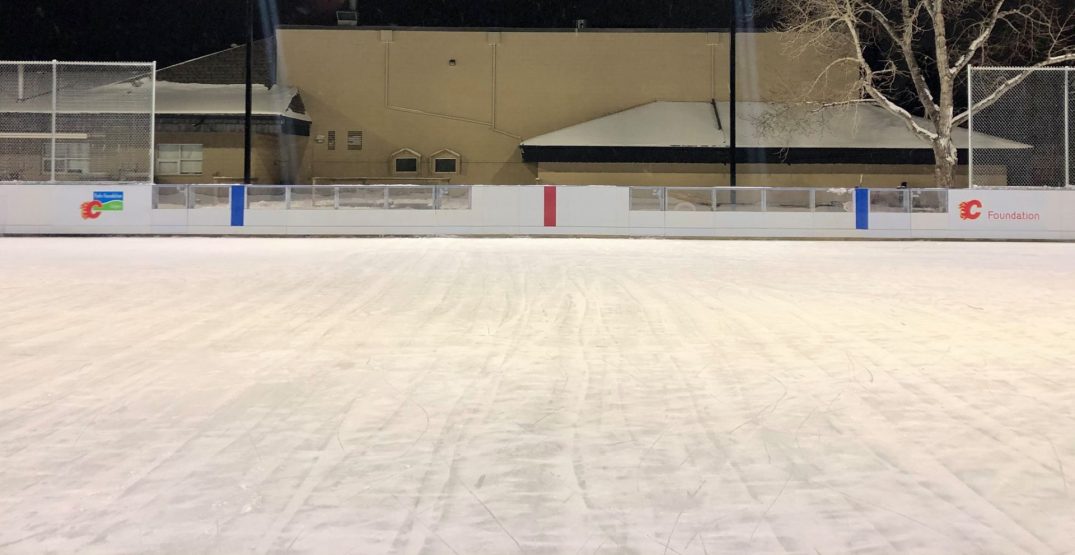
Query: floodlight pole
249, 90
732, 176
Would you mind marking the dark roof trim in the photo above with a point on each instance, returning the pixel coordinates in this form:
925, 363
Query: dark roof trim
613, 155
224, 123
520, 29
693, 155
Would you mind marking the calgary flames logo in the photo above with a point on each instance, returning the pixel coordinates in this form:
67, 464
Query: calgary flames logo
103, 201
91, 210
970, 210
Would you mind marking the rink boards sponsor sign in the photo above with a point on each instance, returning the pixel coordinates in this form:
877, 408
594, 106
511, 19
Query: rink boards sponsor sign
103, 201
100, 205
999, 210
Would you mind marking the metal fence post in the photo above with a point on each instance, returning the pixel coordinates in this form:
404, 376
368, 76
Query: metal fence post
55, 91
153, 123
20, 71
970, 127
1067, 127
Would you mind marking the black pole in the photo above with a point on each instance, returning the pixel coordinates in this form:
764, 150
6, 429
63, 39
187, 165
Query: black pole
731, 86
249, 90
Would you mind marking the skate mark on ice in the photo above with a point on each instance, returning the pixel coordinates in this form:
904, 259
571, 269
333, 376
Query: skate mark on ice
642, 459
415, 517
767, 410
472, 404
493, 515
321, 465
854, 366
672, 532
1060, 465
770, 507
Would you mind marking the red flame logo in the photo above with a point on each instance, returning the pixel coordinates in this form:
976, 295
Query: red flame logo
970, 210
91, 210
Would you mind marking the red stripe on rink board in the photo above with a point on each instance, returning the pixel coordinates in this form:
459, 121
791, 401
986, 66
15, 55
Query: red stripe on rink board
550, 206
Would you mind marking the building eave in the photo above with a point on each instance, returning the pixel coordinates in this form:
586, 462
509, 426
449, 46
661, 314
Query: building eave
703, 155
231, 123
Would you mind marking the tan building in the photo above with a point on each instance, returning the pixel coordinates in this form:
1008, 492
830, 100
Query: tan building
639, 107
479, 94
200, 118
518, 106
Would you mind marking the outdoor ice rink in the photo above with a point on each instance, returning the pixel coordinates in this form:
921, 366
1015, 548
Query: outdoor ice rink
498, 396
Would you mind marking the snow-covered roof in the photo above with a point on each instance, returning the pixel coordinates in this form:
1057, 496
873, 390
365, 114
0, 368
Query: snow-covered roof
195, 98
657, 124
171, 98
759, 125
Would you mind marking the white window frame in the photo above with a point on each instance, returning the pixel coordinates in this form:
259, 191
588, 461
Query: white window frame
447, 154
64, 158
183, 156
404, 154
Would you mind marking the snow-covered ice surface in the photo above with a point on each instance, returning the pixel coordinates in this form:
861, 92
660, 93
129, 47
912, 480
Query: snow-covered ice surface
498, 396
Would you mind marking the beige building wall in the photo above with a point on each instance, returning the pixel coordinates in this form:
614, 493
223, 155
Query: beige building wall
481, 93
222, 158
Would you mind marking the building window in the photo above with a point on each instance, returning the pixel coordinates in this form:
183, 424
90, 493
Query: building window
445, 165
70, 158
179, 160
354, 140
405, 162
446, 162
332, 140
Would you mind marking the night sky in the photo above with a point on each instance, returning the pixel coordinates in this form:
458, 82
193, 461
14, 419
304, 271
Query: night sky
171, 31
177, 30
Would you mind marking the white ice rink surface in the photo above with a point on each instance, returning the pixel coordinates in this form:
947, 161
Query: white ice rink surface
498, 396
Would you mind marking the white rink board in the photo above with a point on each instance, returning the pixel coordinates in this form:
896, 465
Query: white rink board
438, 396
1046, 214
996, 210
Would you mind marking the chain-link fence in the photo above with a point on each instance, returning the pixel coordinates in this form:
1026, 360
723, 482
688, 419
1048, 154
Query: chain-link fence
1069, 151
1037, 111
76, 121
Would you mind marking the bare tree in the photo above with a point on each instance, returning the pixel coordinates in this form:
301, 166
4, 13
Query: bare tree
912, 55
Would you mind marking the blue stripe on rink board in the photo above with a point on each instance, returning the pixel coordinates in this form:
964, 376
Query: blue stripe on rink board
238, 205
862, 209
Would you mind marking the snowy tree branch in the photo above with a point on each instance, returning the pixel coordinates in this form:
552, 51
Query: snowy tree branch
930, 43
